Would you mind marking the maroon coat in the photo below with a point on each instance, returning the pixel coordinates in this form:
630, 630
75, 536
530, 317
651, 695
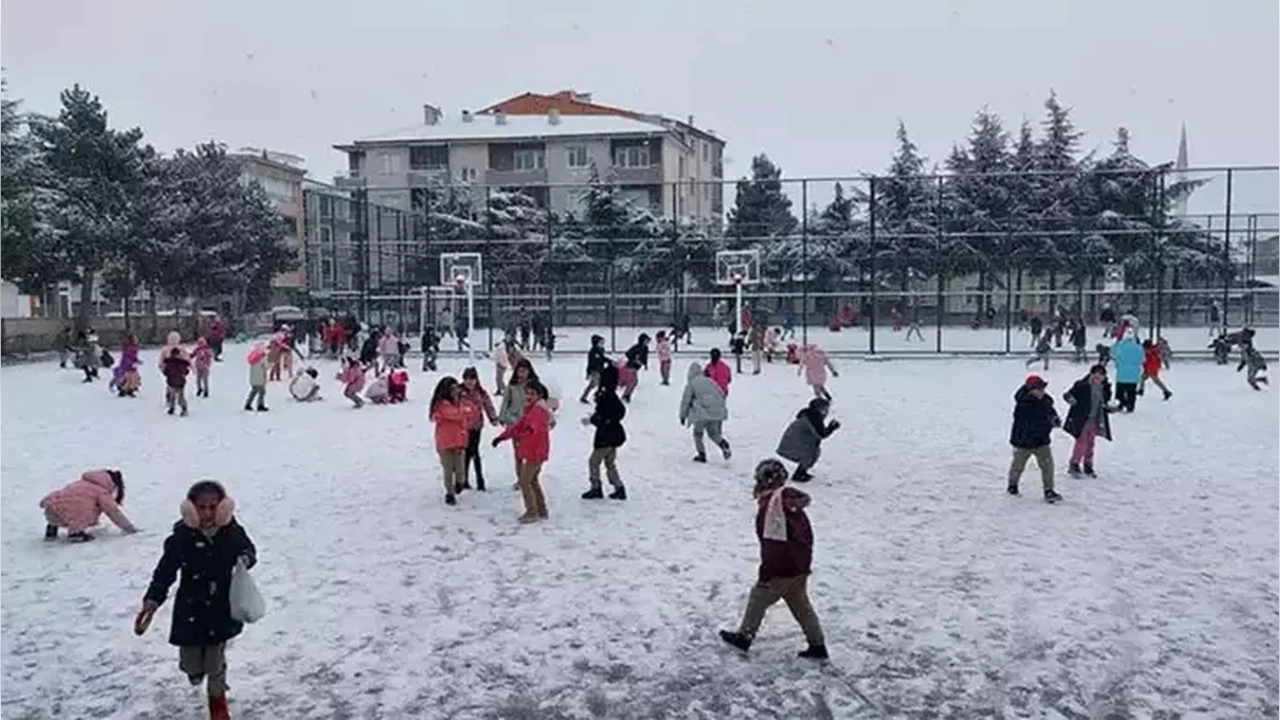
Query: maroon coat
794, 556
175, 371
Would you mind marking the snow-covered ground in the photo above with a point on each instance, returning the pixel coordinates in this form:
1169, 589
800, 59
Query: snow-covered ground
960, 340
1150, 592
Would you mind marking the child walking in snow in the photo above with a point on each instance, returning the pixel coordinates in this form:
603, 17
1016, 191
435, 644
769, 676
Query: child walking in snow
1033, 422
176, 367
1252, 359
609, 436
79, 505
637, 357
596, 362
257, 378
703, 407
473, 393
1044, 346
756, 339
786, 560
205, 546
500, 364
452, 418
532, 436
815, 364
1151, 363
1088, 418
352, 379
802, 440
663, 348
430, 349
718, 370
737, 346
202, 361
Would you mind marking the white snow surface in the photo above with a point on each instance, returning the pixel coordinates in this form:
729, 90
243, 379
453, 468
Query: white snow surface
1151, 591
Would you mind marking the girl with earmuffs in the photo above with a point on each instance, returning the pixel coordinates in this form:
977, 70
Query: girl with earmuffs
206, 545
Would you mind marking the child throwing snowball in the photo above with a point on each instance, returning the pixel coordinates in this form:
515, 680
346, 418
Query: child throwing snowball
79, 505
786, 558
205, 546
814, 364
801, 442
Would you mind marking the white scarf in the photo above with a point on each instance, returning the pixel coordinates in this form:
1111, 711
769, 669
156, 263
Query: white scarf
775, 518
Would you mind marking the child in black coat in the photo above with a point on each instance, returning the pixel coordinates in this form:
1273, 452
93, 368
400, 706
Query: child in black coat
430, 349
610, 435
206, 545
596, 363
637, 357
737, 346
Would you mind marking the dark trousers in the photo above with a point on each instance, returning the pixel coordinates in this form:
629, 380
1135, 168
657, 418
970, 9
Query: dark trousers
1127, 396
215, 345
473, 456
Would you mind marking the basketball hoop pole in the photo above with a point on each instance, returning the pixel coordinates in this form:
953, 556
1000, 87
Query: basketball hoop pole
737, 287
471, 317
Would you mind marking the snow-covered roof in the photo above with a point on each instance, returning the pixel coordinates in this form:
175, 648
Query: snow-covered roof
485, 128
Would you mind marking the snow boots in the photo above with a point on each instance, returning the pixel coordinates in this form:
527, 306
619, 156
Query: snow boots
218, 708
743, 643
597, 493
50, 532
1074, 470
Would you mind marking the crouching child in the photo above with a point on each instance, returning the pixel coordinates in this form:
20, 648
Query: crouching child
786, 558
802, 440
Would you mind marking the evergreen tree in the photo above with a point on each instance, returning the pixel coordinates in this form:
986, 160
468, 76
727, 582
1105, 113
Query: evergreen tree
761, 210
98, 175
26, 203
905, 214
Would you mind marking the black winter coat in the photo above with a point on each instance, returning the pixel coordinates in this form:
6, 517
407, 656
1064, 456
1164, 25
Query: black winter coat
201, 606
596, 360
1033, 420
1081, 399
607, 418
638, 356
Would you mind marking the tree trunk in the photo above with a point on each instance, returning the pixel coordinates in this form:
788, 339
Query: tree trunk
86, 301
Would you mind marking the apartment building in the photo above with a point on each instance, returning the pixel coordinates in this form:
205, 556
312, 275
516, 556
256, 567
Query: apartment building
545, 145
281, 175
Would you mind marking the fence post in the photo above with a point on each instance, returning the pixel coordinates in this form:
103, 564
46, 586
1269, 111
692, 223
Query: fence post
871, 223
362, 215
937, 223
550, 282
487, 258
678, 280
1226, 257
1008, 295
804, 263
1158, 240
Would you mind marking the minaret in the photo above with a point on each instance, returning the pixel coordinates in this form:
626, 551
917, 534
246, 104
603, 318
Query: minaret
1180, 166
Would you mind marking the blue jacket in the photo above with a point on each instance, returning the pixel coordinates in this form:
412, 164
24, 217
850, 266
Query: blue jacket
1127, 355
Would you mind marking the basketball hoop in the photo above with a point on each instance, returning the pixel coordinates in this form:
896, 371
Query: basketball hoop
460, 281
737, 278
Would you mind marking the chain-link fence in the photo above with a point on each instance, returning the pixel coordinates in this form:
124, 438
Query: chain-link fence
919, 264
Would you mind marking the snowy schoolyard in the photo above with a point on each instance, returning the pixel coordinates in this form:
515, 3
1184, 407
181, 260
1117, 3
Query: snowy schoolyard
1151, 591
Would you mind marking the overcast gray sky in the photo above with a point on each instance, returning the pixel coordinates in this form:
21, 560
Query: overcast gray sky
819, 85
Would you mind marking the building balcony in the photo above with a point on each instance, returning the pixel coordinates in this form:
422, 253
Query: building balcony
427, 176
651, 175
350, 182
515, 178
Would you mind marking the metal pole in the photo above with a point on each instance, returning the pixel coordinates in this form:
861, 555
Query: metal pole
937, 221
804, 263
737, 323
1158, 241
471, 321
1008, 297
1226, 257
871, 222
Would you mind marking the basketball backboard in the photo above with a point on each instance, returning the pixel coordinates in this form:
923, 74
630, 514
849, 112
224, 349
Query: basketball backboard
458, 268
735, 267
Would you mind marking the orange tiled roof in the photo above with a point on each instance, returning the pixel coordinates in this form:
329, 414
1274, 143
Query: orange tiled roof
566, 101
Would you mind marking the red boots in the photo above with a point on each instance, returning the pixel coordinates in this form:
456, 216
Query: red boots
218, 708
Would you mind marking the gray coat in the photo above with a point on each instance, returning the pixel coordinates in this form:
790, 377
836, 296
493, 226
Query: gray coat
801, 441
703, 400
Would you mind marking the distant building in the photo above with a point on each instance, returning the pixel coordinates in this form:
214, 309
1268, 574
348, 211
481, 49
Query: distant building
13, 303
281, 175
545, 145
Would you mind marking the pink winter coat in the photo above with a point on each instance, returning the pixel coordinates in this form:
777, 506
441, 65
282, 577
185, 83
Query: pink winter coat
664, 350
78, 506
627, 376
814, 361
202, 358
352, 378
719, 373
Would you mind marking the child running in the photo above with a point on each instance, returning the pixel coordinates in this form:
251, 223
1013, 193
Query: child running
596, 362
663, 347
205, 546
703, 406
1252, 359
609, 436
1151, 363
473, 393
532, 436
719, 372
352, 379
257, 360
815, 364
176, 367
637, 357
802, 440
79, 505
786, 559
1089, 398
202, 361
452, 417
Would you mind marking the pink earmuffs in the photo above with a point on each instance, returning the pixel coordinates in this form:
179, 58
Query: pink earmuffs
221, 517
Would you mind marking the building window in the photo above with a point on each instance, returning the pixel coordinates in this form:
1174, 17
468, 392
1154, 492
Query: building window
390, 163
576, 156
634, 156
326, 272
355, 163
430, 157
326, 235
706, 191
468, 174
326, 206
680, 164
706, 151
530, 160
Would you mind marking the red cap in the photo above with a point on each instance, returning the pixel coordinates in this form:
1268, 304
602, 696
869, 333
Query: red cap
1035, 381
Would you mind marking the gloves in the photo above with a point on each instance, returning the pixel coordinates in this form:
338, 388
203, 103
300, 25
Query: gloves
834, 425
586, 421
496, 442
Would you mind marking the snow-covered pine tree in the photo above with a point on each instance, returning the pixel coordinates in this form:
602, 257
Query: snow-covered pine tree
26, 203
905, 205
761, 211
